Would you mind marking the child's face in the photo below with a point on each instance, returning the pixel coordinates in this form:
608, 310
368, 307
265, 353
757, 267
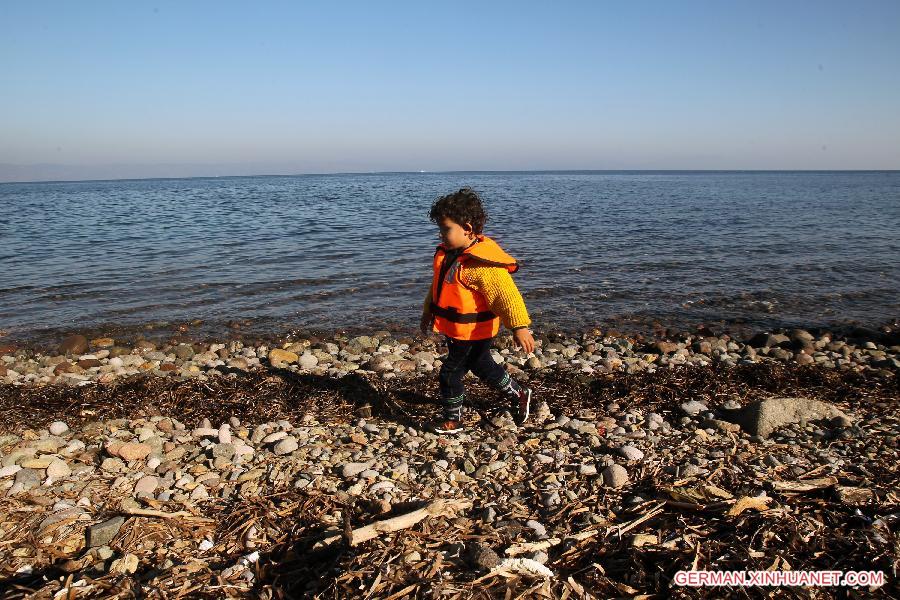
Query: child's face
453, 235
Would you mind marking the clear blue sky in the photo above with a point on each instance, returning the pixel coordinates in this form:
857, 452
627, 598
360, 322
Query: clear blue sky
370, 86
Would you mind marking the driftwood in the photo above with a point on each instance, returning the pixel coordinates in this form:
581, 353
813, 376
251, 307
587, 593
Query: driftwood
511, 567
363, 534
148, 512
807, 485
525, 548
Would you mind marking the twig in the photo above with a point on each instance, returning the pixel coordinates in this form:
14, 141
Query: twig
650, 514
524, 548
148, 512
368, 532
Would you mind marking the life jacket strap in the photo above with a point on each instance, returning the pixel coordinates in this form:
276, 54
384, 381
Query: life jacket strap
454, 316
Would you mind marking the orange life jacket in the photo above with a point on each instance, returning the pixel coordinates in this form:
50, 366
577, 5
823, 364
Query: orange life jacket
459, 311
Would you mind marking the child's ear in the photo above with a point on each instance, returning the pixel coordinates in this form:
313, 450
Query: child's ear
467, 227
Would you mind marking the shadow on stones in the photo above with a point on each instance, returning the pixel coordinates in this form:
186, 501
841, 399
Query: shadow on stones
353, 391
24, 585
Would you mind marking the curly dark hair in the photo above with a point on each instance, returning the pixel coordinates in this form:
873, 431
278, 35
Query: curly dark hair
461, 207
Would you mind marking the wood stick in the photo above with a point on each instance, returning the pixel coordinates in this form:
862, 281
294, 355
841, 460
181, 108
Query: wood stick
149, 512
805, 485
583, 535
814, 471
364, 534
436, 508
402, 592
652, 513
524, 548
691, 506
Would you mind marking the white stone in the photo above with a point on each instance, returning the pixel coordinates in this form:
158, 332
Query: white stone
631, 453
73, 447
58, 428
693, 408
353, 469
58, 468
243, 450
274, 437
9, 471
381, 486
587, 470
307, 361
146, 485
205, 432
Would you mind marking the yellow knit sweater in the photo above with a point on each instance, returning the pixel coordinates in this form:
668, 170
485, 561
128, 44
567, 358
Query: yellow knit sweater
500, 291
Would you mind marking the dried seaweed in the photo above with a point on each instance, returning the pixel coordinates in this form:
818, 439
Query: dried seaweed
267, 395
808, 530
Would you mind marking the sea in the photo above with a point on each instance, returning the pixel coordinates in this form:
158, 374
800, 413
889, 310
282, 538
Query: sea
634, 251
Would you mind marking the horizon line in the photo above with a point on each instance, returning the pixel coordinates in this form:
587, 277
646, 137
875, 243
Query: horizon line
452, 171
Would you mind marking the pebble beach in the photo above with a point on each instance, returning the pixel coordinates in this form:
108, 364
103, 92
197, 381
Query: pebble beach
172, 468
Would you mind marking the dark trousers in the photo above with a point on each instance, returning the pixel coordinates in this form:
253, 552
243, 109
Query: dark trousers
465, 356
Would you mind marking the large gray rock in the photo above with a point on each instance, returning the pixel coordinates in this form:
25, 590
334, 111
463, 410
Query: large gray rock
223, 451
27, 479
286, 446
764, 417
102, 534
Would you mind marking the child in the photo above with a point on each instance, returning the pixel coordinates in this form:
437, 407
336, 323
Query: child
471, 293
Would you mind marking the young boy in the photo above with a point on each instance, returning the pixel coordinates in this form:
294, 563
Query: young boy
471, 293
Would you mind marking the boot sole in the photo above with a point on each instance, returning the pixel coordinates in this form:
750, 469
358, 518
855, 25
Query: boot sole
440, 431
520, 419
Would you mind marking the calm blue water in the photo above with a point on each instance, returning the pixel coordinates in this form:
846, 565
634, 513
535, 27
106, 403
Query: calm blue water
623, 249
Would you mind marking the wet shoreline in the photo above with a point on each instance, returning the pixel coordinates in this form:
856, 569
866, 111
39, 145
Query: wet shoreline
272, 333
